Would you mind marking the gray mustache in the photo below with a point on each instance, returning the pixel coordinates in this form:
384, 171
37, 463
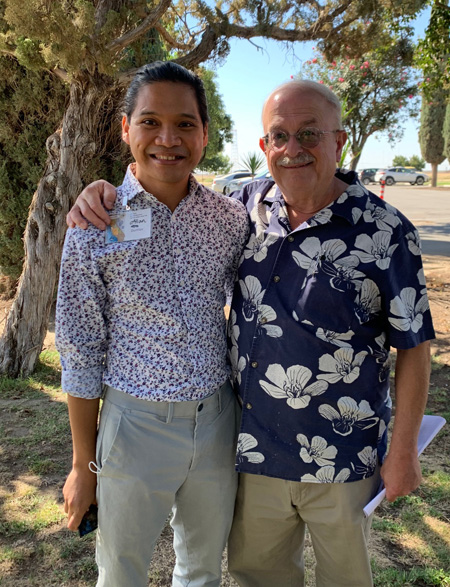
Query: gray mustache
299, 160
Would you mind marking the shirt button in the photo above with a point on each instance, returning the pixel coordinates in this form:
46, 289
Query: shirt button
182, 282
248, 406
277, 278
290, 238
200, 407
254, 364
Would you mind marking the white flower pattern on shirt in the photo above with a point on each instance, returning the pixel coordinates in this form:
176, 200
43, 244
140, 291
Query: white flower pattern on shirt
292, 385
350, 414
317, 451
331, 291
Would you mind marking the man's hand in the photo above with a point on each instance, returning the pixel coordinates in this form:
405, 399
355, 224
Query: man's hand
401, 474
90, 205
79, 494
401, 469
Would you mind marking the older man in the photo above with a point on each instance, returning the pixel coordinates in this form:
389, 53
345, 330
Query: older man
330, 279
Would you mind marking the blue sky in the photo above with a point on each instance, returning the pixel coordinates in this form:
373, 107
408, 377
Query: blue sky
249, 75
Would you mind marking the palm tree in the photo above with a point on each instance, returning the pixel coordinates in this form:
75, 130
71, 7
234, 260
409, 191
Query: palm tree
253, 162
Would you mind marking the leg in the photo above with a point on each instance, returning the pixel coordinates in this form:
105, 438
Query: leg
267, 538
204, 504
142, 465
339, 531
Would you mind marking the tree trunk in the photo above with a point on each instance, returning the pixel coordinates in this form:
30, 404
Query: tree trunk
69, 151
434, 170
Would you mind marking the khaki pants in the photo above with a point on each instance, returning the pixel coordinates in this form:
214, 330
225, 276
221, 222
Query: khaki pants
266, 543
155, 458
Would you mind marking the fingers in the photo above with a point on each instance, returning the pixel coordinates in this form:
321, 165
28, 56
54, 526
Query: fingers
74, 218
90, 206
74, 519
79, 494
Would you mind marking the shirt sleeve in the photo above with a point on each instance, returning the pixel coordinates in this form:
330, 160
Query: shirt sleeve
407, 305
240, 242
80, 332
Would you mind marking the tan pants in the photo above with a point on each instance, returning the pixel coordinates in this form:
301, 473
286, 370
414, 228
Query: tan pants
267, 538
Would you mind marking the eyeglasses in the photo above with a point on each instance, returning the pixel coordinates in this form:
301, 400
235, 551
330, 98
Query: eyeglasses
307, 137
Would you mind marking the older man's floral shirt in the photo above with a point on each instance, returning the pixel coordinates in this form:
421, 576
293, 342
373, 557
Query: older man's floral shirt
146, 316
315, 312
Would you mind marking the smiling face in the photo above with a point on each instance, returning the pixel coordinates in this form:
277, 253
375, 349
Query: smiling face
302, 174
166, 137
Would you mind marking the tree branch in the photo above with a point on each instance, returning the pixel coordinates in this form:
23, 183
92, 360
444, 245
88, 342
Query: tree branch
171, 41
146, 25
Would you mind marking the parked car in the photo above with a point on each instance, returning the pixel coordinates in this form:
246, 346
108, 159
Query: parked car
401, 174
220, 183
238, 184
367, 176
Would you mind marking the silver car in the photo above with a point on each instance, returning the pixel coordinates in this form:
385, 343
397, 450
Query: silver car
238, 184
401, 174
220, 183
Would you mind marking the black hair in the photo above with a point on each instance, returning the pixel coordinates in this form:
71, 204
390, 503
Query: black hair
166, 71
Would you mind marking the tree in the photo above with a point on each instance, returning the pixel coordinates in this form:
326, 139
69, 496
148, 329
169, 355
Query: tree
400, 161
379, 90
219, 128
253, 162
93, 45
433, 52
414, 161
431, 137
31, 108
446, 132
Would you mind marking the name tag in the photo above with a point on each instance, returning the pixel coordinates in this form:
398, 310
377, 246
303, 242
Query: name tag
130, 226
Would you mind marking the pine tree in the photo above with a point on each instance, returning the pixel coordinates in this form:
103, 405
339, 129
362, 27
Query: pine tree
446, 132
431, 136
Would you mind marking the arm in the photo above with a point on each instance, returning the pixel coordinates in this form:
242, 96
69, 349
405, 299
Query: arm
79, 488
90, 205
401, 471
81, 340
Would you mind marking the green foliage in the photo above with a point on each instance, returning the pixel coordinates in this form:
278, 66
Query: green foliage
31, 109
433, 52
219, 128
253, 162
446, 132
431, 137
414, 161
379, 90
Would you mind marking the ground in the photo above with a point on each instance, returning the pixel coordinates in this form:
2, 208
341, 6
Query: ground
409, 544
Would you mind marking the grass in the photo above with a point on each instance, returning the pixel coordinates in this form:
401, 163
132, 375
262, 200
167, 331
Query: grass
410, 541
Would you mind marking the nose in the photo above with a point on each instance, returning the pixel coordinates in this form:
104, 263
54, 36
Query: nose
293, 147
168, 136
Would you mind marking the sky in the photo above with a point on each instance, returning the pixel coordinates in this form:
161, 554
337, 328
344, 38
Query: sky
249, 75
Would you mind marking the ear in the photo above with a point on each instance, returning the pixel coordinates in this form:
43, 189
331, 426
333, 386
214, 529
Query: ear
205, 135
125, 130
341, 139
262, 145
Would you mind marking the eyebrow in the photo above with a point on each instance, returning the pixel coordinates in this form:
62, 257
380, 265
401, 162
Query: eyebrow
305, 124
181, 114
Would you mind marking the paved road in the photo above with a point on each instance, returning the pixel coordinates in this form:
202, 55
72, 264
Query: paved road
428, 209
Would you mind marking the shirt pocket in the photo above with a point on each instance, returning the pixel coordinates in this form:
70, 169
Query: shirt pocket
329, 299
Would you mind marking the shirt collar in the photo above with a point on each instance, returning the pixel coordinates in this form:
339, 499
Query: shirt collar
131, 186
355, 196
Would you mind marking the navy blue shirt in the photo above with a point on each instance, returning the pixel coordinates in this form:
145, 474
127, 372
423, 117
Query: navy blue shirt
314, 314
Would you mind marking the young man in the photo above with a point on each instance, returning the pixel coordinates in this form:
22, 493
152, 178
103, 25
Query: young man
140, 312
